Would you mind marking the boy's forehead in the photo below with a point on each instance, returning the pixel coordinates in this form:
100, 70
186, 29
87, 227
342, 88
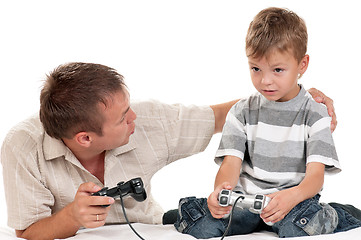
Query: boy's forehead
273, 54
273, 57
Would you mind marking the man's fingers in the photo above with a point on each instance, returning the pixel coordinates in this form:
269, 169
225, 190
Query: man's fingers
101, 201
88, 187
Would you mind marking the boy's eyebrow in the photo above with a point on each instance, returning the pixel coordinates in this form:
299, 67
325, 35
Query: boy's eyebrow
250, 62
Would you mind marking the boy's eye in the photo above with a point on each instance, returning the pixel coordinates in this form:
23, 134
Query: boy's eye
278, 70
255, 69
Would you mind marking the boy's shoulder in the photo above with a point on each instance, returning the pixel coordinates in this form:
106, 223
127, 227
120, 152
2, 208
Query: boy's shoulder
314, 107
252, 102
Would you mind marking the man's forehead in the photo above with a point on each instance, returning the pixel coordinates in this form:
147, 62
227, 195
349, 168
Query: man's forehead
119, 96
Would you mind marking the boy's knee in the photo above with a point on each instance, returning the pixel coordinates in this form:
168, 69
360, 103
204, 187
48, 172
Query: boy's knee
312, 219
195, 219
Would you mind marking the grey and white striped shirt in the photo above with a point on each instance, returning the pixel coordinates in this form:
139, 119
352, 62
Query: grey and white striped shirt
276, 140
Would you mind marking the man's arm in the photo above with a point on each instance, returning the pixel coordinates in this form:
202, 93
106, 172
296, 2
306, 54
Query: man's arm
84, 211
220, 114
221, 110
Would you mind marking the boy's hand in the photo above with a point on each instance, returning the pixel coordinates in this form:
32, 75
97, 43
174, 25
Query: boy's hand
281, 204
213, 204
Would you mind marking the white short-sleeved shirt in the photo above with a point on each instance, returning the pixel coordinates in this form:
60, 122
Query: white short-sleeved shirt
41, 175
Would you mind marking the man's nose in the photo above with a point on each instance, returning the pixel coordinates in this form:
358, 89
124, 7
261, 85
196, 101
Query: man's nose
132, 115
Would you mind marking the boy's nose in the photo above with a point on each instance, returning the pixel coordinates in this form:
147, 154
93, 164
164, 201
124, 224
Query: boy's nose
266, 79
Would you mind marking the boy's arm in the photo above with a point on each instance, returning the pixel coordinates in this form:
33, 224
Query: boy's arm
227, 178
283, 201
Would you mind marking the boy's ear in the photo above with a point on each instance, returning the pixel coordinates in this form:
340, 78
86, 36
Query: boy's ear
83, 139
303, 65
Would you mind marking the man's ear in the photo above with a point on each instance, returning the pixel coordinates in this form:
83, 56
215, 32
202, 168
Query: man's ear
83, 139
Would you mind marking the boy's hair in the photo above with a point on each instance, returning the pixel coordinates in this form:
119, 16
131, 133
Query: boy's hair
276, 29
70, 98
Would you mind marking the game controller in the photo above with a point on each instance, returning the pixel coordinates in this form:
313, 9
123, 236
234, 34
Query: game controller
133, 188
254, 203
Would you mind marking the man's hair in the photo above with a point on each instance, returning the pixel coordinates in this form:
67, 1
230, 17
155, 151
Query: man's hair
70, 98
276, 29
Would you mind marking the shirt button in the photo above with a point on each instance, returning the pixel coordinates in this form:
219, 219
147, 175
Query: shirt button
303, 221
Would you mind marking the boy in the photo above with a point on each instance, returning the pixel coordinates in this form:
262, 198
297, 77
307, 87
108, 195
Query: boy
276, 142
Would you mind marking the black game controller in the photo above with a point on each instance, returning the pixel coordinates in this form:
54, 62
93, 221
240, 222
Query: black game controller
133, 188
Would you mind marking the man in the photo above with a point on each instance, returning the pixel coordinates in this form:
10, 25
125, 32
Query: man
88, 135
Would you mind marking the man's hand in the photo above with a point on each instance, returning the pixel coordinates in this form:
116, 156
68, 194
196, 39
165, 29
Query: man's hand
84, 211
213, 205
320, 97
87, 210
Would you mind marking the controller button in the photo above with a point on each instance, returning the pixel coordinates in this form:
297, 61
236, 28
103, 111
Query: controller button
223, 200
224, 192
258, 205
259, 197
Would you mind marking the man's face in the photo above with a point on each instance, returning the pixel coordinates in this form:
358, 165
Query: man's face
119, 122
276, 76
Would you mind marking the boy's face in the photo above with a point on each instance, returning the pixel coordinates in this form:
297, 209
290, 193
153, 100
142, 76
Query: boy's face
275, 76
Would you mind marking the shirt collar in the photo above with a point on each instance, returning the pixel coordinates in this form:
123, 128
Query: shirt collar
54, 148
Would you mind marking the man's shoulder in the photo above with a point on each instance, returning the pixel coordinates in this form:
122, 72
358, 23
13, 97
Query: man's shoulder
147, 109
26, 132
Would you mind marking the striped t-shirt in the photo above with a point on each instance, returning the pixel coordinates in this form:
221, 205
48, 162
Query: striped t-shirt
276, 140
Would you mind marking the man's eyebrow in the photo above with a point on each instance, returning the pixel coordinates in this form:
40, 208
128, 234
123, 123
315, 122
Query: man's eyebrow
125, 112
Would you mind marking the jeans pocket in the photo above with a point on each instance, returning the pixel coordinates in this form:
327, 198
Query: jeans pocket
190, 210
194, 209
317, 219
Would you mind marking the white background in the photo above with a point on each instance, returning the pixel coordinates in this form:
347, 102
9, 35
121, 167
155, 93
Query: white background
187, 51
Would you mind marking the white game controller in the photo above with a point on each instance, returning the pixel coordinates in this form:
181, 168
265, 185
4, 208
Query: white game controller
254, 203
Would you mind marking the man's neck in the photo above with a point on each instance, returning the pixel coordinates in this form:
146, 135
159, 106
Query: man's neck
95, 165
91, 160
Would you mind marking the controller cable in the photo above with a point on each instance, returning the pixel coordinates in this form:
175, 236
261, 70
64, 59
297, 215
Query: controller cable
125, 215
230, 217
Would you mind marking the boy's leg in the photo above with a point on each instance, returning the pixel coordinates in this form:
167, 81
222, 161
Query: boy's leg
348, 217
195, 219
308, 218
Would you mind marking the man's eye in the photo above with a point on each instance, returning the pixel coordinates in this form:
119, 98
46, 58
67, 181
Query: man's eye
255, 69
278, 70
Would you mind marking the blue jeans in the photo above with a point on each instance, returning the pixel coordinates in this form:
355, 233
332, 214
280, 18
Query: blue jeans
308, 218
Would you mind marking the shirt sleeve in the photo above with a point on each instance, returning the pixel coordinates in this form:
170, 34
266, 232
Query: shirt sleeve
188, 129
320, 144
234, 136
28, 200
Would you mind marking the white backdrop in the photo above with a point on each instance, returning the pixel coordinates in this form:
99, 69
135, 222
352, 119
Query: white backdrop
189, 51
